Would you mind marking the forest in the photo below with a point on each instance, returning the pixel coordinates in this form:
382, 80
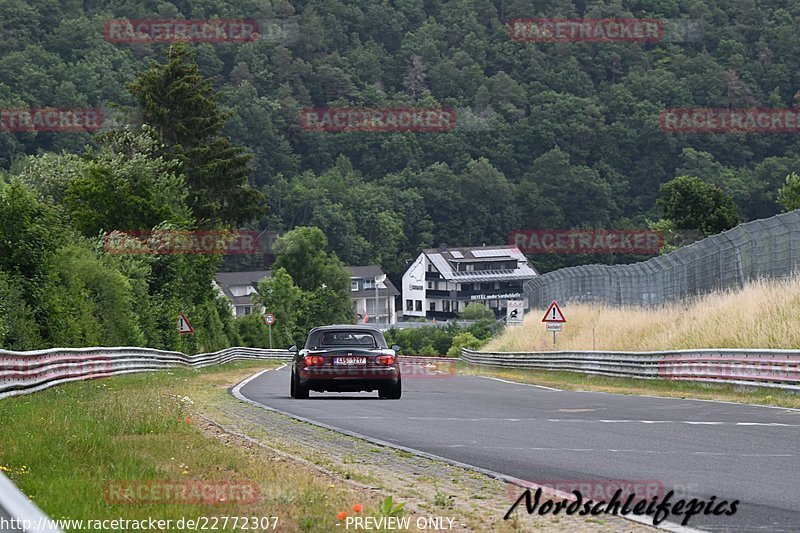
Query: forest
547, 135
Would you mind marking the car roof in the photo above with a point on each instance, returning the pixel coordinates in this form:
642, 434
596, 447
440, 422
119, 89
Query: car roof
356, 327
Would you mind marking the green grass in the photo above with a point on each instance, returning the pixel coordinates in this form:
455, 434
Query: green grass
619, 385
62, 446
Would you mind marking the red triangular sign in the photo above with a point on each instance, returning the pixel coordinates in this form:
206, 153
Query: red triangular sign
554, 314
183, 325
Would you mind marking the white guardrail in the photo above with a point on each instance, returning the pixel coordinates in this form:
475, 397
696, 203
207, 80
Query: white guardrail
764, 368
26, 372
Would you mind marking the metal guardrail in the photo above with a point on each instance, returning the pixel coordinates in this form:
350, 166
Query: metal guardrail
764, 368
26, 372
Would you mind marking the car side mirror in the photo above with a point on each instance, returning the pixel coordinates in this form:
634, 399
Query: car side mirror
293, 348
395, 347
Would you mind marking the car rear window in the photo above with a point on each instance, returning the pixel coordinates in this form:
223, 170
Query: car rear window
347, 338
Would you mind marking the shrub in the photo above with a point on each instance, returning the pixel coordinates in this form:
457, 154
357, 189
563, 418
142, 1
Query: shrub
464, 340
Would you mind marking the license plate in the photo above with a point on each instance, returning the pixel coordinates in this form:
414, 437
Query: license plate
349, 360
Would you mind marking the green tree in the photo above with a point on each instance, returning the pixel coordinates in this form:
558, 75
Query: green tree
124, 185
182, 107
476, 311
281, 297
254, 333
690, 203
789, 194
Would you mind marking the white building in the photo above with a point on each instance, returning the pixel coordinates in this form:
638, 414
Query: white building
371, 306
239, 288
441, 282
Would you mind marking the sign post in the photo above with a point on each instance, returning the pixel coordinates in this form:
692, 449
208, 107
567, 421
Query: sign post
554, 319
269, 318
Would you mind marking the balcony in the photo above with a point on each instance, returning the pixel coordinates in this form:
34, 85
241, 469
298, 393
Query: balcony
431, 293
432, 276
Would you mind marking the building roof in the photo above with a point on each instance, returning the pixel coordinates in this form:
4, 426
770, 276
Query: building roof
445, 259
228, 279
370, 272
251, 277
366, 271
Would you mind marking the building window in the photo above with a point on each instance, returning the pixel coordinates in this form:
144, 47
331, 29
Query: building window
417, 305
354, 285
369, 284
409, 305
248, 310
433, 306
469, 267
447, 306
430, 284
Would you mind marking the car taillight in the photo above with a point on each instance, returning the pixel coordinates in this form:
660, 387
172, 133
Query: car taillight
385, 360
314, 360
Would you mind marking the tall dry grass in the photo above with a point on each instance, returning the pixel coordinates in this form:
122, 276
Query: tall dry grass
764, 314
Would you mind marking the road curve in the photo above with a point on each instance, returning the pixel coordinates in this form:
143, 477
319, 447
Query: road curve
699, 448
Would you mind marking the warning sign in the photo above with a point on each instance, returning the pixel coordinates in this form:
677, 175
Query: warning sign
554, 314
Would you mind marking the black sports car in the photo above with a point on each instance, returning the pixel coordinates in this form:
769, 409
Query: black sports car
346, 358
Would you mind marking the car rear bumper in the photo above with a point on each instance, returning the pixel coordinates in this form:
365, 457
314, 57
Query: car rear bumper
351, 379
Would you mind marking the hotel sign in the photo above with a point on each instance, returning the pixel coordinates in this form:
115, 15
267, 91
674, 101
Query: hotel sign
501, 296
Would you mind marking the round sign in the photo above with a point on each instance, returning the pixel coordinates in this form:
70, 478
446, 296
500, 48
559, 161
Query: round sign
269, 318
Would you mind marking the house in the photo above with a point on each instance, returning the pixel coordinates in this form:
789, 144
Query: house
369, 306
441, 282
238, 288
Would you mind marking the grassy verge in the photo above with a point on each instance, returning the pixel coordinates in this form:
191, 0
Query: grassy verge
68, 447
675, 389
763, 315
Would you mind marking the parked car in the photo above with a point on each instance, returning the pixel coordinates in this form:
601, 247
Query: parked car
346, 358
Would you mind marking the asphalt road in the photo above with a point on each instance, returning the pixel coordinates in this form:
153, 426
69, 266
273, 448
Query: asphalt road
698, 448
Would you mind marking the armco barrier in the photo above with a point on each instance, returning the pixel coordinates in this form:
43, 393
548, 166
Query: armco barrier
26, 372
765, 368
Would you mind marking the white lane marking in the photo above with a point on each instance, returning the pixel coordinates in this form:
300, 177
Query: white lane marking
740, 404
518, 383
778, 424
611, 450
766, 455
570, 420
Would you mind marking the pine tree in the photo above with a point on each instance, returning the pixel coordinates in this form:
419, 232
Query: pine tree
180, 104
